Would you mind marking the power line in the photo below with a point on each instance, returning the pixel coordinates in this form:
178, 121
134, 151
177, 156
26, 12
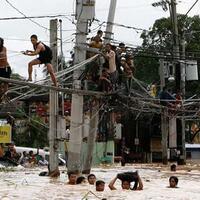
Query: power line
122, 25
191, 7
152, 50
31, 17
39, 17
26, 16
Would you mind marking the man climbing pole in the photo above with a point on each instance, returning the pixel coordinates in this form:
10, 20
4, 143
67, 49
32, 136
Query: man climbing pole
45, 57
5, 70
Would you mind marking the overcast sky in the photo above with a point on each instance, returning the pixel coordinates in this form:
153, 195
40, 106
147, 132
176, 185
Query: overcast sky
129, 12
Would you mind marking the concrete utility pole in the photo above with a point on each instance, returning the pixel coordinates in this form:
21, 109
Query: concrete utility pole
53, 98
164, 121
62, 60
175, 30
181, 82
162, 75
84, 12
165, 131
91, 137
182, 87
110, 20
183, 65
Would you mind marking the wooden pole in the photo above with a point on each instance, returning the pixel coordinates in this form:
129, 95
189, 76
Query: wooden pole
58, 89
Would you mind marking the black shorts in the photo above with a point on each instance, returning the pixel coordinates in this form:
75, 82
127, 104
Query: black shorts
5, 72
44, 60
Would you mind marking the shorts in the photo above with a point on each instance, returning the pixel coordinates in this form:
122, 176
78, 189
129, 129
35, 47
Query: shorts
5, 72
44, 60
114, 77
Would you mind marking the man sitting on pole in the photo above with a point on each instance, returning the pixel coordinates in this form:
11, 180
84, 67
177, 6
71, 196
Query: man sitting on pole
45, 57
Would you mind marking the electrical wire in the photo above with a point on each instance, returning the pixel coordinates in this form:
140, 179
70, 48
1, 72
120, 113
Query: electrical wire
122, 25
32, 17
191, 7
41, 26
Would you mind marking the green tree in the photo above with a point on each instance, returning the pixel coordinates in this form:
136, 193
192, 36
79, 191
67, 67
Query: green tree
32, 134
38, 132
158, 41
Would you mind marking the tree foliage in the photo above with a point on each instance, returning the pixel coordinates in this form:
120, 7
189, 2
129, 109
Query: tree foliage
158, 41
35, 135
38, 133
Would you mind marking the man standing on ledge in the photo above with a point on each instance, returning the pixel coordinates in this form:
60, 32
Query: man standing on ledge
5, 70
45, 57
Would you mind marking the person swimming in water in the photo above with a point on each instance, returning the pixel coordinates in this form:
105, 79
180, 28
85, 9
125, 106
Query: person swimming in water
126, 179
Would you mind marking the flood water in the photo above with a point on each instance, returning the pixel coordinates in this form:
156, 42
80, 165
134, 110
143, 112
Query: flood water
25, 184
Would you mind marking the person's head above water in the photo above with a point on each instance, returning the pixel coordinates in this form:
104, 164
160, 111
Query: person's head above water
100, 185
173, 182
125, 185
173, 167
91, 179
72, 176
80, 180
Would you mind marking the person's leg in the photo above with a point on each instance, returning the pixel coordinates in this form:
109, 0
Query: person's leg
30, 68
5, 87
1, 88
66, 157
7, 74
130, 82
51, 72
127, 85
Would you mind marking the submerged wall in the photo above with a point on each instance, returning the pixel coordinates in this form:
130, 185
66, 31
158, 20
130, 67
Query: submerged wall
103, 152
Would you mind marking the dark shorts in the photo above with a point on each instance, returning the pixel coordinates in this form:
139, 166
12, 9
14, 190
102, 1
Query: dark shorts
114, 77
5, 72
44, 60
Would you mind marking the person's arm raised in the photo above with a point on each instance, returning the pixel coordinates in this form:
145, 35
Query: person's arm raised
111, 184
140, 186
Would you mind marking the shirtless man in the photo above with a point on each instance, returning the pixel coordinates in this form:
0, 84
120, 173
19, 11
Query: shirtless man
5, 70
110, 56
45, 57
104, 84
72, 177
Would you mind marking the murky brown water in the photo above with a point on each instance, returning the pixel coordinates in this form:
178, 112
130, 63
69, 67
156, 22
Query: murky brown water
25, 184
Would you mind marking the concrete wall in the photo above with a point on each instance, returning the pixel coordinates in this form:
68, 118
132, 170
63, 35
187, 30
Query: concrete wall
103, 152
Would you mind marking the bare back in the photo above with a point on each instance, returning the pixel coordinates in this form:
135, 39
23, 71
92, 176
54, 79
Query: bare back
3, 58
111, 60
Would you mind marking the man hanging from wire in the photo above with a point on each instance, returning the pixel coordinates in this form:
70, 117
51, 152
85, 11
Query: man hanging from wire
5, 70
45, 57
